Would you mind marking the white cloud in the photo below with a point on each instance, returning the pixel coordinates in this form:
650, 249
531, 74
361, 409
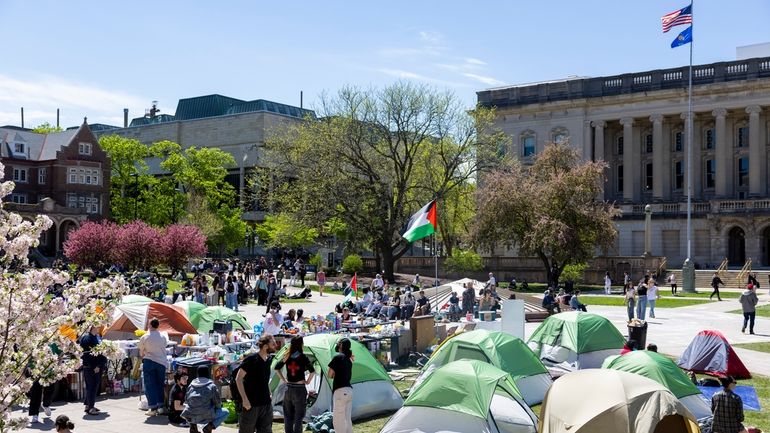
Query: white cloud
486, 80
472, 61
407, 75
431, 37
41, 96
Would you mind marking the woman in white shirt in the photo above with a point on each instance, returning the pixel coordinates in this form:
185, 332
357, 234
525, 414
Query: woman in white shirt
607, 284
652, 296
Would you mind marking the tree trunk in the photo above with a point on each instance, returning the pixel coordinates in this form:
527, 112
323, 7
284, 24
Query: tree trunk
388, 263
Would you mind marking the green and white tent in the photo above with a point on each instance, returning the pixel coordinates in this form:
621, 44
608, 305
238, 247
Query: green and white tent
664, 371
135, 299
464, 396
204, 319
575, 340
500, 349
373, 390
191, 310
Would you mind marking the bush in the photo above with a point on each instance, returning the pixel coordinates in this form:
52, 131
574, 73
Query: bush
464, 261
352, 264
316, 260
330, 271
573, 272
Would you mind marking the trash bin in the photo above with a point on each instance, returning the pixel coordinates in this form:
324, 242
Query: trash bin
639, 334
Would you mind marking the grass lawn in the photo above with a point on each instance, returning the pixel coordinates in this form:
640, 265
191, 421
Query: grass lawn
618, 301
702, 294
540, 287
759, 347
763, 311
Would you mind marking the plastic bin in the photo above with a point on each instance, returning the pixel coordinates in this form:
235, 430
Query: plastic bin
639, 334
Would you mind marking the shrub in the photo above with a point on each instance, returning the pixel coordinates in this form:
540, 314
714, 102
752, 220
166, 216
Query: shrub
316, 260
352, 264
464, 261
573, 272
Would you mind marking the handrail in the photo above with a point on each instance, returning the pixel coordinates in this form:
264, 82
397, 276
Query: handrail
744, 271
662, 265
722, 267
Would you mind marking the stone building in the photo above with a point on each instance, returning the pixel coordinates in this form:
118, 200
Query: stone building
64, 175
636, 122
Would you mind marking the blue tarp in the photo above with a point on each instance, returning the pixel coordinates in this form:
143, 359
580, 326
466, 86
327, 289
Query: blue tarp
747, 393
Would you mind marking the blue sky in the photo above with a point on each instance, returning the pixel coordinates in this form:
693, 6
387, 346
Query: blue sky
93, 58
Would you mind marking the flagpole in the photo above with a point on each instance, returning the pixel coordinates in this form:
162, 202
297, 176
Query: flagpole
435, 262
689, 140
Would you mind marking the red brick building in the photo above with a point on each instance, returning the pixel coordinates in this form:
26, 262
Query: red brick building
64, 175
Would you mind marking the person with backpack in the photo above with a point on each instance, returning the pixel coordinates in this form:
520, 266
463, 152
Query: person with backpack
252, 382
295, 398
203, 404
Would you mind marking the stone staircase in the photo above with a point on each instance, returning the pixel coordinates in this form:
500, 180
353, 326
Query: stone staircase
730, 278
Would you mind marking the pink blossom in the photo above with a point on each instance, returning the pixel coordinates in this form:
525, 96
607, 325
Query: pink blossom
179, 242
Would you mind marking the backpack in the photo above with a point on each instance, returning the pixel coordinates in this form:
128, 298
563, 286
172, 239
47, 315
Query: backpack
234, 393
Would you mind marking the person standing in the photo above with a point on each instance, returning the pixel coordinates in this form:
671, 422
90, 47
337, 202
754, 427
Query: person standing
295, 398
630, 301
93, 368
341, 371
607, 284
652, 296
715, 282
469, 298
39, 396
231, 300
279, 277
672, 282
641, 298
749, 302
252, 381
727, 408
152, 349
320, 278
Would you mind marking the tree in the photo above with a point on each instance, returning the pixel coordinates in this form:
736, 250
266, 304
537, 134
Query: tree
91, 245
129, 175
233, 231
285, 231
199, 215
46, 128
376, 157
464, 261
138, 245
178, 243
548, 210
32, 321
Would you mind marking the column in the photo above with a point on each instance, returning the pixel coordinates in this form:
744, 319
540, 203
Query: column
628, 159
599, 139
723, 155
657, 156
757, 154
586, 140
696, 152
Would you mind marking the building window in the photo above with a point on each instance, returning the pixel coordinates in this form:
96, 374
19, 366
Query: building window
19, 198
559, 135
620, 145
20, 175
72, 200
84, 148
743, 136
528, 145
678, 175
710, 138
42, 175
710, 173
18, 148
73, 176
743, 171
648, 143
678, 141
620, 178
95, 173
648, 177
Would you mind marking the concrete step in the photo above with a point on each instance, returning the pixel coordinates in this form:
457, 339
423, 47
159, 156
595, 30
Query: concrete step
729, 277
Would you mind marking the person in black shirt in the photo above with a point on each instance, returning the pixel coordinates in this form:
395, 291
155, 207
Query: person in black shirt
715, 282
454, 307
341, 371
176, 399
252, 383
295, 398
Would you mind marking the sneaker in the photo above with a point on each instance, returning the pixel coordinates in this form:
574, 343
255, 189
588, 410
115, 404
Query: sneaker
34, 419
47, 411
208, 428
151, 412
743, 330
162, 411
193, 428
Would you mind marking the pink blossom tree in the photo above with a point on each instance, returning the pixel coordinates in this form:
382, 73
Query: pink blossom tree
179, 243
92, 244
31, 321
137, 245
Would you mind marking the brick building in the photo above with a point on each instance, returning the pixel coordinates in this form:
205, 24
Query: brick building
64, 175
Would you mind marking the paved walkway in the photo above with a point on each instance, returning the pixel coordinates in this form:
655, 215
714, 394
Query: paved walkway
672, 330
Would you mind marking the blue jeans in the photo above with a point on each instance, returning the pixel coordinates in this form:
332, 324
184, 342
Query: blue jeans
652, 307
199, 298
630, 304
220, 416
231, 299
154, 381
641, 307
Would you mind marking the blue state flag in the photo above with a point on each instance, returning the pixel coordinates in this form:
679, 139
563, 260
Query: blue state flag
684, 38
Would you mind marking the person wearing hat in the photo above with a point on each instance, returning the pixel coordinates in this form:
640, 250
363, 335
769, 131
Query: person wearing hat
727, 408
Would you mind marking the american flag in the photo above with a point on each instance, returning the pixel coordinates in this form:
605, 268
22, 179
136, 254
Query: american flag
677, 18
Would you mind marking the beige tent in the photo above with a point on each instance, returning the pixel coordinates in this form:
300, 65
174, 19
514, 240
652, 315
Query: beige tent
590, 401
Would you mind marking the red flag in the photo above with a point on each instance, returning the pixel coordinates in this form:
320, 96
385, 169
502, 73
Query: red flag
354, 284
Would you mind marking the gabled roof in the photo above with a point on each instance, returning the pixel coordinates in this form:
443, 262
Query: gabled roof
37, 147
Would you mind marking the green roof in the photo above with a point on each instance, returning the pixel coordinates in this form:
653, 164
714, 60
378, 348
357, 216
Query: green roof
204, 106
656, 367
579, 332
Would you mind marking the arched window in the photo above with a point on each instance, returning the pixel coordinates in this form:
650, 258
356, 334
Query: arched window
527, 143
559, 135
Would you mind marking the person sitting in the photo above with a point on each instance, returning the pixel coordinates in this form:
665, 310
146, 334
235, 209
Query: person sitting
176, 398
304, 294
346, 316
203, 404
407, 305
336, 287
487, 301
364, 303
454, 307
549, 302
288, 321
393, 309
524, 286
574, 302
513, 284
423, 305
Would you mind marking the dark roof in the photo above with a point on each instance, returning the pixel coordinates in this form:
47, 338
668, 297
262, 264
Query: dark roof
204, 106
15, 128
273, 107
161, 118
37, 147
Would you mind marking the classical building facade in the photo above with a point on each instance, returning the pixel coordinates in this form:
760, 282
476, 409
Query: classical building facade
64, 175
636, 122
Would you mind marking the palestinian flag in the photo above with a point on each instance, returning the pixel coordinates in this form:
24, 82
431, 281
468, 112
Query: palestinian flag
353, 287
422, 224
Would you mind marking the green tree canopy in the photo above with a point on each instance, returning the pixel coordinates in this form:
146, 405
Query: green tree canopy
46, 128
284, 231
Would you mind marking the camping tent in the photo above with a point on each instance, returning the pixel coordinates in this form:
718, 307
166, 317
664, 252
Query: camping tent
130, 317
373, 390
710, 353
594, 400
204, 319
500, 349
664, 371
135, 299
575, 340
464, 396
191, 310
